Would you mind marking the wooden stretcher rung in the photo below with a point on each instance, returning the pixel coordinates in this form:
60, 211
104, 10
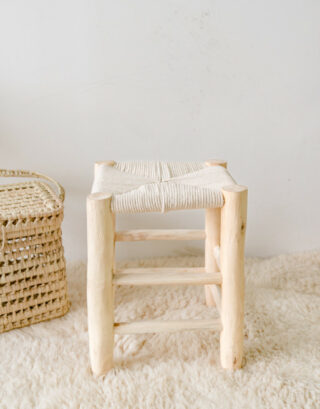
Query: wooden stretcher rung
167, 279
141, 327
216, 294
160, 270
141, 235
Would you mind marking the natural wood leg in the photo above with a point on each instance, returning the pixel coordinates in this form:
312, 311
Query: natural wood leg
233, 227
97, 165
99, 282
212, 227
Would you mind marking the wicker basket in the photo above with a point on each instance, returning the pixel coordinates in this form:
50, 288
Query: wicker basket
33, 284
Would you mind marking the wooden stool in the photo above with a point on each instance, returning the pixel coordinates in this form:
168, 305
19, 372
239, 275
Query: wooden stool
130, 187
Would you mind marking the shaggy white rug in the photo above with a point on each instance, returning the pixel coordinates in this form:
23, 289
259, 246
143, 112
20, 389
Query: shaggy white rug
46, 366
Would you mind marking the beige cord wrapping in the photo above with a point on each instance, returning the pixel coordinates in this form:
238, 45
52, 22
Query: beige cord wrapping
142, 186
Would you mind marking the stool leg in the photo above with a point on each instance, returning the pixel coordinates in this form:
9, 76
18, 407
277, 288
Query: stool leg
233, 226
100, 230
212, 227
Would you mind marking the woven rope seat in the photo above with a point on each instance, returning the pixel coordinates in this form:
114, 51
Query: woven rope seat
156, 186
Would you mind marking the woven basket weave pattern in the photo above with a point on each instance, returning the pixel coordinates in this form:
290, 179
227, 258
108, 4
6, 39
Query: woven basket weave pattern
33, 284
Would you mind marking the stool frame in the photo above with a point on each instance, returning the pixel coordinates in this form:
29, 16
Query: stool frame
224, 287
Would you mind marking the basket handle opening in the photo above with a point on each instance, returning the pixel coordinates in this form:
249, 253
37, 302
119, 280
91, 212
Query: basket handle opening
28, 174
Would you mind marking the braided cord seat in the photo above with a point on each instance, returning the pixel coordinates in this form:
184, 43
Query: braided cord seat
156, 186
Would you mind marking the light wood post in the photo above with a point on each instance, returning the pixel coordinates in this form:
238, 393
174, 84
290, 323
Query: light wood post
101, 234
233, 227
103, 163
212, 228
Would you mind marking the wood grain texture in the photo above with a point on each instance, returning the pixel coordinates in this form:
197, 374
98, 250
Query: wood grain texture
99, 282
142, 235
160, 270
216, 162
141, 327
233, 227
212, 230
167, 279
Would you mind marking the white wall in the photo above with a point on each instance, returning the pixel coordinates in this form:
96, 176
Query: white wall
90, 80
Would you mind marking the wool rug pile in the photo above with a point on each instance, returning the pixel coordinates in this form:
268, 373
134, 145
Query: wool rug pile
46, 365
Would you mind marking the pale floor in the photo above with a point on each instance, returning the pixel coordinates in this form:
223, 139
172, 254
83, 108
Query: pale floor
47, 366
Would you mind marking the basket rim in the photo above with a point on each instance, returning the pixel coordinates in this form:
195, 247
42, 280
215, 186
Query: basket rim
51, 206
